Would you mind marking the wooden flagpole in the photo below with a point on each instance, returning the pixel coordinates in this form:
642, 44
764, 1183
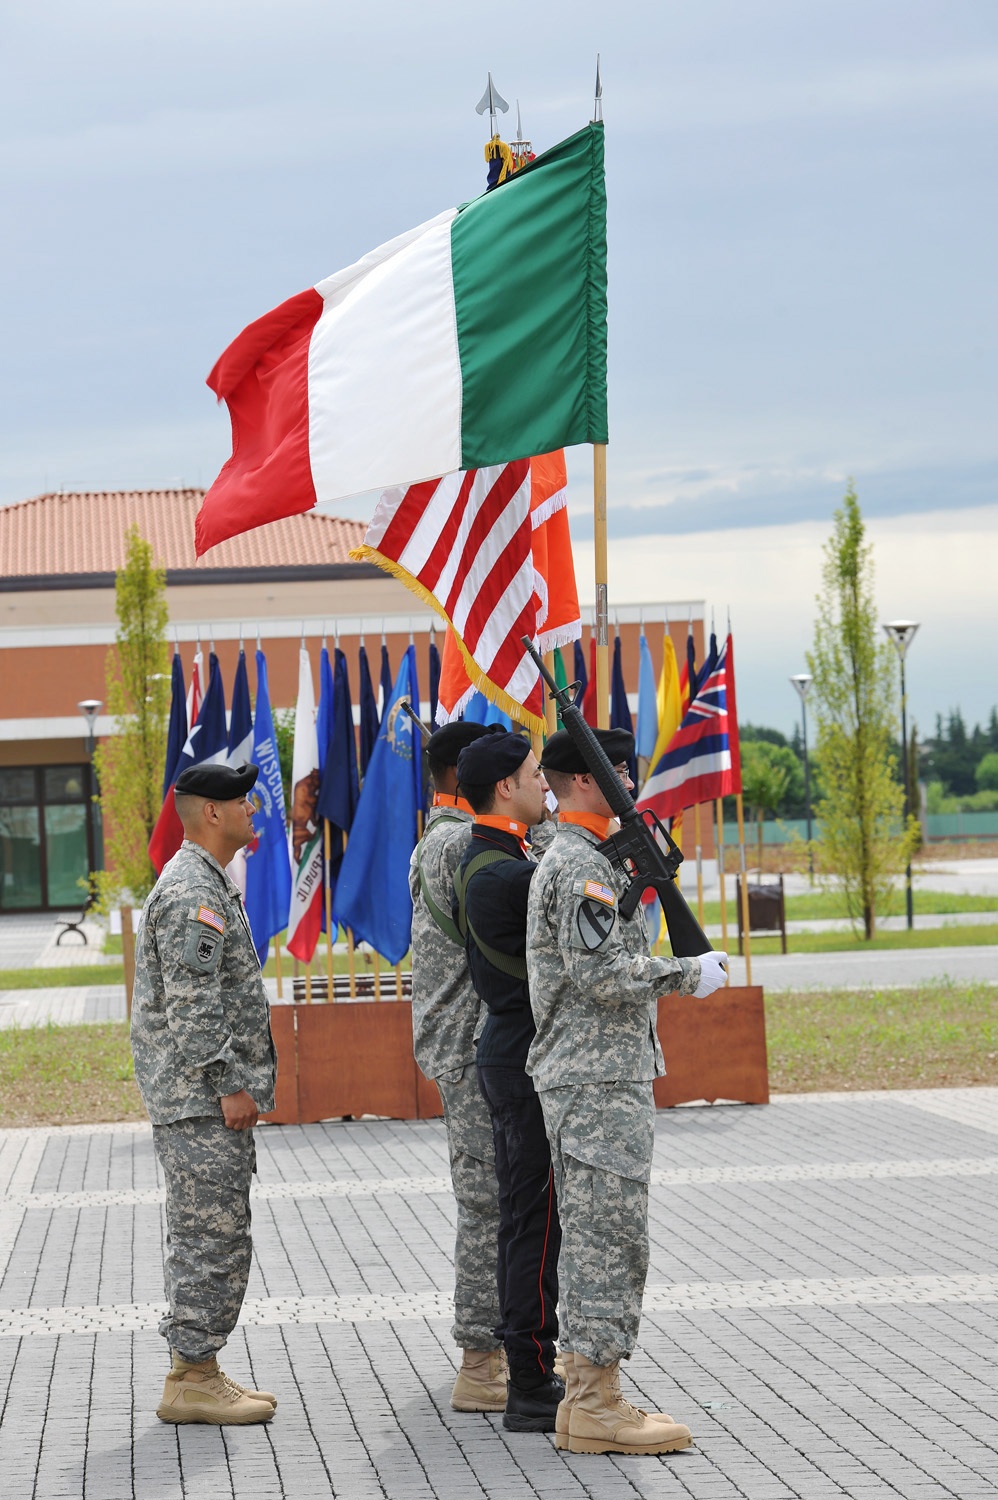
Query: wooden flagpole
352, 963
700, 866
277, 966
720, 878
329, 911
747, 936
550, 707
377, 974
602, 613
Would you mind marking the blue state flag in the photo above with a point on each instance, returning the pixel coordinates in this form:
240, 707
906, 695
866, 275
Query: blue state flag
339, 789
434, 655
176, 734
324, 713
240, 718
620, 709
372, 892
647, 731
386, 680
268, 862
369, 720
479, 710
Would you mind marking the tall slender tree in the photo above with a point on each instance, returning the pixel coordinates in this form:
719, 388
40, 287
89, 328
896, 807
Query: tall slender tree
863, 838
130, 763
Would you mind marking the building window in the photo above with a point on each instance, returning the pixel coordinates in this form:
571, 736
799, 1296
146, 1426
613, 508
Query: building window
47, 842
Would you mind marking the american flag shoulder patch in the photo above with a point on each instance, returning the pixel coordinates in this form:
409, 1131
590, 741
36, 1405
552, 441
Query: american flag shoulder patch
599, 892
211, 918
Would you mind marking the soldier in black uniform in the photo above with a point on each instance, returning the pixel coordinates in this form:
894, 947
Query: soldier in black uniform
502, 781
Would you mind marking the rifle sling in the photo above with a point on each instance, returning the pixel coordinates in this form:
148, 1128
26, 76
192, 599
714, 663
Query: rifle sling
506, 963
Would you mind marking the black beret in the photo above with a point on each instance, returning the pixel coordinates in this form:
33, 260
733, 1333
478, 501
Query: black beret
220, 783
493, 755
562, 754
446, 744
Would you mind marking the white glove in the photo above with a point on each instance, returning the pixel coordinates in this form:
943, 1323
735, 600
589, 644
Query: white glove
712, 974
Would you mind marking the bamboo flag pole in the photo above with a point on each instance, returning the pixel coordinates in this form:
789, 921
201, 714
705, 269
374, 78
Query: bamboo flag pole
720, 878
602, 615
747, 936
699, 856
377, 974
550, 706
277, 966
329, 911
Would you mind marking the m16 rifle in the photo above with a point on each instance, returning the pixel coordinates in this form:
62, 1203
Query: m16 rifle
638, 848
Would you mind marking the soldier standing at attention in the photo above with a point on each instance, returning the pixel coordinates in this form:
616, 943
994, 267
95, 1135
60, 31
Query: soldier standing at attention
594, 989
206, 1067
501, 779
445, 1015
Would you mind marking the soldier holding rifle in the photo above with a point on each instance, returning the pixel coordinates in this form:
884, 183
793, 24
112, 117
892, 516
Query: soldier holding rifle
594, 988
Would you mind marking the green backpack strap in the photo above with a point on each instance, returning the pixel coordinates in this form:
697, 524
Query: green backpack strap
442, 918
506, 963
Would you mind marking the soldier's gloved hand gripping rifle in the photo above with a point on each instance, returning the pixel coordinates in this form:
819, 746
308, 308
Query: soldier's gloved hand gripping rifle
635, 849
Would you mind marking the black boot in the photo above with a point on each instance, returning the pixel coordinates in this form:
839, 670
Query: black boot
532, 1409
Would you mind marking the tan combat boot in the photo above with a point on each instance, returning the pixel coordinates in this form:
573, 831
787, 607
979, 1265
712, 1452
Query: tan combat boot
481, 1381
601, 1421
566, 1358
202, 1393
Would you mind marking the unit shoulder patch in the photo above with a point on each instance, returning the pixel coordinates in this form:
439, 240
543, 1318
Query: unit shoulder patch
594, 922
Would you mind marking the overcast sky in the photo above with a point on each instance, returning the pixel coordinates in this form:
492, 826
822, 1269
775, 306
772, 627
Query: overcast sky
802, 266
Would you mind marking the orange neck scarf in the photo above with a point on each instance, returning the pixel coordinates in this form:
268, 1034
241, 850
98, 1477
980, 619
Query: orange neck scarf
444, 799
592, 822
505, 825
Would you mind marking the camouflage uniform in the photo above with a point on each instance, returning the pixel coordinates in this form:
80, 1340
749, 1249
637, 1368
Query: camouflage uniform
201, 1029
445, 1022
593, 992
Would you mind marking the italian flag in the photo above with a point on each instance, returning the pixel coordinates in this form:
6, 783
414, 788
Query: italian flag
473, 340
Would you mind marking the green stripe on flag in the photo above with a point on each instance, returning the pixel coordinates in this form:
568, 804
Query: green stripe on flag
529, 268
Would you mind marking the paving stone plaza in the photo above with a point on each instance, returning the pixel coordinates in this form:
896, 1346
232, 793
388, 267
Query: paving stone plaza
821, 1311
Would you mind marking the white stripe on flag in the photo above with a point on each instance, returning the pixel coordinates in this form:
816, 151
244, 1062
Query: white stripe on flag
386, 345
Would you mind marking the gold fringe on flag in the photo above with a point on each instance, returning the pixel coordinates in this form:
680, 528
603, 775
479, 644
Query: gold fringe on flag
478, 679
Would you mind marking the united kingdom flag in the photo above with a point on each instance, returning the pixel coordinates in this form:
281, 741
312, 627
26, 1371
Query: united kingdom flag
696, 765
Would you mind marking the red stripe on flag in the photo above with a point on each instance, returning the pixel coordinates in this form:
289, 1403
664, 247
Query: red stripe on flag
442, 548
263, 379
506, 486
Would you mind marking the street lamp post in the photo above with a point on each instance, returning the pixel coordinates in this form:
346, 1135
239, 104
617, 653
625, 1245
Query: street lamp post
901, 634
802, 683
90, 708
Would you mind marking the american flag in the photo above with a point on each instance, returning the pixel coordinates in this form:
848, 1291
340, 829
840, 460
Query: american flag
463, 543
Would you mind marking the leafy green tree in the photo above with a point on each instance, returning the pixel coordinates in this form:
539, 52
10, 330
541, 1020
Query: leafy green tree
130, 763
863, 839
986, 774
765, 777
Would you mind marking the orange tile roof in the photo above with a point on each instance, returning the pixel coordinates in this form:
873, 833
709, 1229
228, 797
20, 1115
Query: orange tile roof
79, 534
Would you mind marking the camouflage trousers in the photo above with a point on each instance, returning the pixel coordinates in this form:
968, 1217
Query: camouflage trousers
473, 1174
208, 1170
602, 1136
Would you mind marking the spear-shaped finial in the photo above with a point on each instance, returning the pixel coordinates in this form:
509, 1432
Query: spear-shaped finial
598, 105
491, 100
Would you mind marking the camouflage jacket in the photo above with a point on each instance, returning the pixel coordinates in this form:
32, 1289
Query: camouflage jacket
445, 1008
200, 1014
593, 984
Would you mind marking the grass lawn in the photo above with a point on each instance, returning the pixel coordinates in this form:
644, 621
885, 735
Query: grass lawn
67, 1075
930, 1036
847, 942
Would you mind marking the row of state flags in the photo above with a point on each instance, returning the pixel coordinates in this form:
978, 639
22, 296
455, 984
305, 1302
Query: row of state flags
284, 873
357, 798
